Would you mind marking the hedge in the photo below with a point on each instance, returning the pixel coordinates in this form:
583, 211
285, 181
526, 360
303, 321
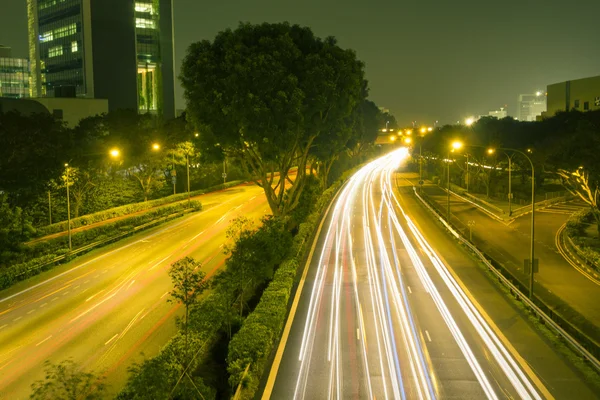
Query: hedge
260, 331
43, 253
125, 210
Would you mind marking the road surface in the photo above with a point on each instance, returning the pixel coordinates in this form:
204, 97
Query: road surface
105, 308
380, 315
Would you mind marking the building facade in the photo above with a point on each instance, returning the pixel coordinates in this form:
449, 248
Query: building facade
580, 94
531, 106
119, 50
501, 113
14, 75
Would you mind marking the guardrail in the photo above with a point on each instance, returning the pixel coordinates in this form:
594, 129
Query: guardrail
100, 243
543, 316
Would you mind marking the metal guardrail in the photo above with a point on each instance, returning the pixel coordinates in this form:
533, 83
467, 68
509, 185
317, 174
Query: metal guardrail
548, 321
100, 243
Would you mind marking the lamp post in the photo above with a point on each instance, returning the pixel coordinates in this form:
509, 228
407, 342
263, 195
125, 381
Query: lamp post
492, 151
68, 204
532, 249
455, 146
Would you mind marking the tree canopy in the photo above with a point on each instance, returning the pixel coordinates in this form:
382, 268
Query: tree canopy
264, 94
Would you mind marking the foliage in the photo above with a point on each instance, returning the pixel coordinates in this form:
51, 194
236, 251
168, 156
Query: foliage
263, 93
189, 281
67, 381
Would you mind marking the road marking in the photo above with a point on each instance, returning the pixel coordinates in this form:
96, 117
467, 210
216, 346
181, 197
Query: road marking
409, 291
54, 299
220, 219
132, 281
3, 326
252, 198
427, 333
111, 339
91, 297
158, 263
86, 282
195, 236
48, 338
66, 293
357, 334
166, 293
43, 305
97, 275
16, 319
30, 311
77, 287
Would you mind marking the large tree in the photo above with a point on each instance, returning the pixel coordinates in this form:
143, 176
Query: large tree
264, 93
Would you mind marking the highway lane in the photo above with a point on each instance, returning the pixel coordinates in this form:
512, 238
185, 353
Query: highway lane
105, 308
509, 244
380, 316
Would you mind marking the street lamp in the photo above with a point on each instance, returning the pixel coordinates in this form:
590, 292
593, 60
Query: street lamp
114, 153
155, 146
407, 140
469, 121
67, 172
492, 151
456, 145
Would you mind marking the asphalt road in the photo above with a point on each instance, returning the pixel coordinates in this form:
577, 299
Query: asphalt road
509, 244
106, 308
379, 313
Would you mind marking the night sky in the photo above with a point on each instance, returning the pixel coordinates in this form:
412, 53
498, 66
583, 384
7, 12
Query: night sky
426, 60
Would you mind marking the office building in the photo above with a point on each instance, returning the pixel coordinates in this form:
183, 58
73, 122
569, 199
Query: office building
501, 113
531, 106
14, 75
119, 50
579, 94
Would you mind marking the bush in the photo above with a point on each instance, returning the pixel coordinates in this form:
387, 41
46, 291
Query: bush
125, 210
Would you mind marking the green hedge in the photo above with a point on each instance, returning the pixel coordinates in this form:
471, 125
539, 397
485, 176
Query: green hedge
43, 252
125, 210
260, 331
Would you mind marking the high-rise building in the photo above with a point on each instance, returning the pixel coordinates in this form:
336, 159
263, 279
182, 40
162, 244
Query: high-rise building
501, 113
531, 106
119, 50
14, 75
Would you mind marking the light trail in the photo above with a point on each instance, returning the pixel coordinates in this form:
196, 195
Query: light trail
373, 270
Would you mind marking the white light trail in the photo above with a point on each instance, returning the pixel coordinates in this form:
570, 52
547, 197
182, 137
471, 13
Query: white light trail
398, 366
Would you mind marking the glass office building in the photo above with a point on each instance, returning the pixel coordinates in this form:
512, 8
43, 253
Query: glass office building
14, 75
120, 50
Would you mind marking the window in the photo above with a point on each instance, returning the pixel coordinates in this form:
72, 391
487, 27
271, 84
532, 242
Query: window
144, 8
576, 103
586, 105
144, 23
55, 51
74, 47
57, 33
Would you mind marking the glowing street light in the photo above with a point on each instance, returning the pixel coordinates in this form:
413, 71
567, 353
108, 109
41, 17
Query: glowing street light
155, 146
491, 151
469, 121
429, 129
457, 145
423, 130
114, 153
407, 140
392, 138
408, 132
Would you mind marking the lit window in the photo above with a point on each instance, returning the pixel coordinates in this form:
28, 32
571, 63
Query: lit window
144, 8
46, 37
55, 51
144, 23
74, 47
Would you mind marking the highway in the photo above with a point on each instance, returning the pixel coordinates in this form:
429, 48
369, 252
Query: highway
510, 244
106, 308
379, 313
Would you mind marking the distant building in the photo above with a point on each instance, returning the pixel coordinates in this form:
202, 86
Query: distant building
531, 106
580, 94
384, 110
14, 75
501, 113
117, 50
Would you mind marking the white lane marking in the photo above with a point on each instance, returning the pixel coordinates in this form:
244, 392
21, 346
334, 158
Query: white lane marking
158, 263
77, 287
97, 275
357, 334
16, 319
48, 338
54, 299
91, 297
66, 293
166, 293
220, 219
252, 198
43, 305
86, 282
427, 333
3, 326
132, 281
409, 291
111, 339
195, 236
30, 311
